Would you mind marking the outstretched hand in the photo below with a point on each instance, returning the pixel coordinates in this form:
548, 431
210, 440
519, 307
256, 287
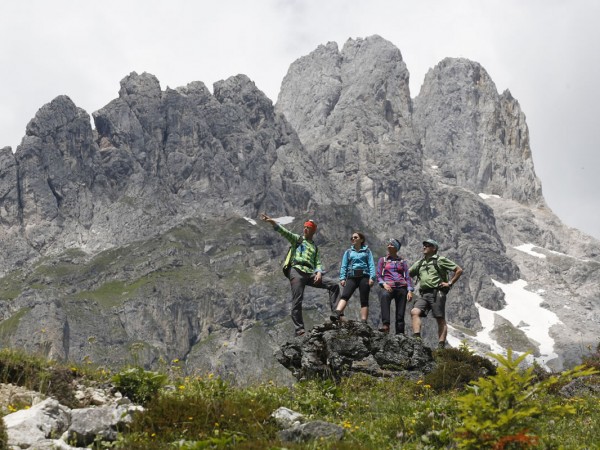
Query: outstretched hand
266, 218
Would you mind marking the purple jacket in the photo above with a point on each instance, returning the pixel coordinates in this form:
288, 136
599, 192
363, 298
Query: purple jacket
394, 272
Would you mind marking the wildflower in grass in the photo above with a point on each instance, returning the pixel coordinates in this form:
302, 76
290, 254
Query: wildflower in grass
11, 408
419, 382
181, 387
175, 361
427, 386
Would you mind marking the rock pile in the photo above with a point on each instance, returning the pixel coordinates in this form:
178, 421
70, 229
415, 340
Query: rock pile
47, 424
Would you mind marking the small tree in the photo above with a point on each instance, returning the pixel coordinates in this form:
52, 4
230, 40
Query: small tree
499, 412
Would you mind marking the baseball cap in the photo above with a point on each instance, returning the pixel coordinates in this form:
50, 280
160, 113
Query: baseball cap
432, 242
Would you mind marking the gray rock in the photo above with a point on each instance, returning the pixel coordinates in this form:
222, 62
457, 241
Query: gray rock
580, 387
42, 421
312, 431
334, 351
103, 422
287, 418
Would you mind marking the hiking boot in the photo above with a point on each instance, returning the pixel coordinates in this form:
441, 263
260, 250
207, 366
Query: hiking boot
385, 328
442, 345
336, 316
300, 332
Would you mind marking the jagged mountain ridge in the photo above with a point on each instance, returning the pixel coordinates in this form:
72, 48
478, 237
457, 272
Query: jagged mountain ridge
129, 240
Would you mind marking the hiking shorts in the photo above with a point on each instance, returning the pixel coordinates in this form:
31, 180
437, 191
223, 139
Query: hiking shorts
434, 301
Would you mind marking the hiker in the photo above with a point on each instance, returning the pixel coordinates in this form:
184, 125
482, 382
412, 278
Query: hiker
396, 284
357, 272
304, 269
432, 273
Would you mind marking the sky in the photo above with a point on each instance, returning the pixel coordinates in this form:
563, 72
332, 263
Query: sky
546, 52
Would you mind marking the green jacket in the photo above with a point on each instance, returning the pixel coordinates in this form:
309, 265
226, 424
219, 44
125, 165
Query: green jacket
306, 258
429, 278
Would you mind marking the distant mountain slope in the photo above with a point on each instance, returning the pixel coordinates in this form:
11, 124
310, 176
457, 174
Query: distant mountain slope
135, 240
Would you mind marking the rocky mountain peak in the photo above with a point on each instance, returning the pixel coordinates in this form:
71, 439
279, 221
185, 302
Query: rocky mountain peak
477, 138
144, 230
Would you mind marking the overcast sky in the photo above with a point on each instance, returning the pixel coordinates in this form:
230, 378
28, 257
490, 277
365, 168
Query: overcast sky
546, 52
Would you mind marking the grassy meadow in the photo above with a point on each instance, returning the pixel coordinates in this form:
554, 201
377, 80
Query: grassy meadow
512, 407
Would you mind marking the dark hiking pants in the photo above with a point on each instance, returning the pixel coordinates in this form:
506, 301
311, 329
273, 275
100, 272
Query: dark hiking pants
298, 281
399, 297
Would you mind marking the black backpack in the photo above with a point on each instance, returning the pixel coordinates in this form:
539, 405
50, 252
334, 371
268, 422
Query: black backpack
289, 257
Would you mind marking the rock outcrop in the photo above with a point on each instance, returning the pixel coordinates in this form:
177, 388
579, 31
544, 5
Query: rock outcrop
335, 351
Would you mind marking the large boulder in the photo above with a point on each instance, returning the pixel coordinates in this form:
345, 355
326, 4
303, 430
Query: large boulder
333, 351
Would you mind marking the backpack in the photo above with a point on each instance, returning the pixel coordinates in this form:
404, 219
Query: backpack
289, 257
399, 263
435, 265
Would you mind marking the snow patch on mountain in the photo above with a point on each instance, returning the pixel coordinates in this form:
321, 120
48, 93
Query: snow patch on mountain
525, 311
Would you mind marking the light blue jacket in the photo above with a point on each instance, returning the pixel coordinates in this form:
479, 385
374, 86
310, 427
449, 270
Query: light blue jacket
357, 260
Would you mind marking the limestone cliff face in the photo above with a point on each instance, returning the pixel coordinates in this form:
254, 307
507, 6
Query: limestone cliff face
134, 241
477, 138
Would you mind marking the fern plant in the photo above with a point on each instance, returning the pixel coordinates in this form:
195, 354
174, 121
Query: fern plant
499, 412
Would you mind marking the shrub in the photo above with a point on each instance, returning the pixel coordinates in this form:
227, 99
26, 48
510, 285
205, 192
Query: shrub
500, 411
38, 374
138, 384
457, 367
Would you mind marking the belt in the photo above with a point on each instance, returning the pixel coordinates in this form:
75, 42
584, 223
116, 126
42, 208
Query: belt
427, 290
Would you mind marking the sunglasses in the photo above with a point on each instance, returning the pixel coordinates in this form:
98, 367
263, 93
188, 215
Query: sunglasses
353, 238
428, 245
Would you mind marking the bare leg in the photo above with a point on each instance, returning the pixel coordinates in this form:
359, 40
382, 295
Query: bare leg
442, 329
415, 314
364, 312
341, 306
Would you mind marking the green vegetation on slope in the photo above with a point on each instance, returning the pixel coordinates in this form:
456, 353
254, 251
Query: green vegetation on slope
513, 408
